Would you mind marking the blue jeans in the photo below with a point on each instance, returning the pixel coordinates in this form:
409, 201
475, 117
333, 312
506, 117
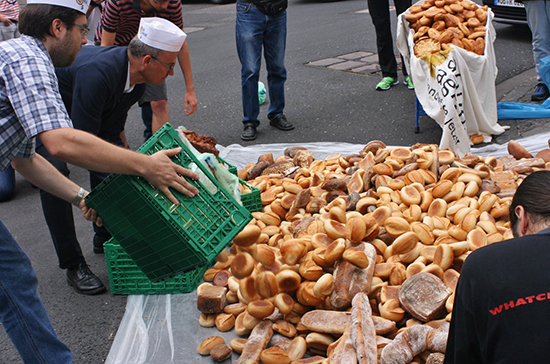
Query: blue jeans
255, 30
7, 183
538, 18
22, 312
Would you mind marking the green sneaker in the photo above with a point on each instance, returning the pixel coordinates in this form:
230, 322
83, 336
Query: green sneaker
408, 82
386, 83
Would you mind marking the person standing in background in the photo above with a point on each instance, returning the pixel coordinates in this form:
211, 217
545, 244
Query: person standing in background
119, 24
9, 19
262, 25
538, 19
380, 14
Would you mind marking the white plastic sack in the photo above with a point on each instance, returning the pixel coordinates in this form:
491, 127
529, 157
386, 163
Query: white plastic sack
461, 94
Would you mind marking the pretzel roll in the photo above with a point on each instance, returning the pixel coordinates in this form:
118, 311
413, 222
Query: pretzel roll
288, 280
335, 250
266, 284
207, 320
423, 232
293, 250
324, 286
260, 309
441, 188
410, 195
237, 345
207, 344
335, 229
247, 290
355, 229
248, 235
319, 341
444, 256
392, 310
242, 265
395, 226
356, 257
404, 243
284, 303
476, 238
438, 207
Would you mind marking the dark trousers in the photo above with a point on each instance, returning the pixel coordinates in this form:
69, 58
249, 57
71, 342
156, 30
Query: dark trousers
59, 215
380, 14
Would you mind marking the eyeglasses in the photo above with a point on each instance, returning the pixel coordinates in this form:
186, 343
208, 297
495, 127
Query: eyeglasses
84, 30
169, 66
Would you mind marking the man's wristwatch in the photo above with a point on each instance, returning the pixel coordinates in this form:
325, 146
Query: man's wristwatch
79, 196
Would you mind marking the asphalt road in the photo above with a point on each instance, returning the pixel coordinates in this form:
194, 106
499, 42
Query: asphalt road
325, 105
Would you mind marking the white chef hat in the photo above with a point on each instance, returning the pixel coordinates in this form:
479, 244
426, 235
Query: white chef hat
161, 34
80, 5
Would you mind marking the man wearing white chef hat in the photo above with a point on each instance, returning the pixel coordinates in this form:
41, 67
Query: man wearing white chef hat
99, 88
53, 31
120, 22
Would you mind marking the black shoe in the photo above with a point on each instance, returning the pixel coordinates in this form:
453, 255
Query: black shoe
81, 278
281, 123
98, 244
541, 93
249, 132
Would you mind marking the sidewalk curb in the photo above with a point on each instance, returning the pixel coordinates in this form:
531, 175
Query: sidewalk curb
516, 87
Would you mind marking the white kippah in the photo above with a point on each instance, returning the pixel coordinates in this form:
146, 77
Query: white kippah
80, 5
161, 34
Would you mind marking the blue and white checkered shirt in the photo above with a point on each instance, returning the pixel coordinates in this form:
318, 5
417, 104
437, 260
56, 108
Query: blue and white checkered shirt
30, 102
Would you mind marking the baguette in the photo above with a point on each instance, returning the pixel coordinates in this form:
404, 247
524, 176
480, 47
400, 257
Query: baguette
256, 343
350, 279
344, 352
363, 334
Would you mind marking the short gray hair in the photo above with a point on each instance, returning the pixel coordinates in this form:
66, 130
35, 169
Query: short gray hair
139, 49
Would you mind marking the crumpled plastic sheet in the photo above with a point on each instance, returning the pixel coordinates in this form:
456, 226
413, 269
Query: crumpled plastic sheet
518, 110
164, 329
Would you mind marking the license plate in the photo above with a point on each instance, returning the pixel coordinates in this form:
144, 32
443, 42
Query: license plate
509, 3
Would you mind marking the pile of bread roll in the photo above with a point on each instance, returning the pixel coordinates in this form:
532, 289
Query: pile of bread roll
439, 24
355, 259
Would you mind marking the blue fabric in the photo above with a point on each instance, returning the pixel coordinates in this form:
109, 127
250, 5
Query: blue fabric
22, 312
7, 183
255, 30
518, 110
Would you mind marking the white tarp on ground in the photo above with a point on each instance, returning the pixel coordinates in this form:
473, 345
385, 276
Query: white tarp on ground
458, 94
164, 329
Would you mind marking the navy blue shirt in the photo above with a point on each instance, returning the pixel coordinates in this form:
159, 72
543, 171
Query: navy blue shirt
92, 89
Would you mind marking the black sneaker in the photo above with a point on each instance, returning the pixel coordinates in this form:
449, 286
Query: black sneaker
541, 93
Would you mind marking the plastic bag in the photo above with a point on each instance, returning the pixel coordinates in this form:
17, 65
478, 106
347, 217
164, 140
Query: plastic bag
518, 110
229, 181
262, 93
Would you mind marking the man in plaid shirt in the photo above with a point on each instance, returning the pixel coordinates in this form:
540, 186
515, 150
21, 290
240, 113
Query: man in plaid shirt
30, 106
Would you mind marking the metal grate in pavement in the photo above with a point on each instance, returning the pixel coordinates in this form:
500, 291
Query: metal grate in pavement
360, 62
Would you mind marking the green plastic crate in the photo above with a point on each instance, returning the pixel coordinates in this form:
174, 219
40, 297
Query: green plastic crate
163, 239
253, 199
231, 168
125, 277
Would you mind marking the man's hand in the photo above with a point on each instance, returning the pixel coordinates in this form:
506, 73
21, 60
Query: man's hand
88, 213
190, 103
6, 21
163, 173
